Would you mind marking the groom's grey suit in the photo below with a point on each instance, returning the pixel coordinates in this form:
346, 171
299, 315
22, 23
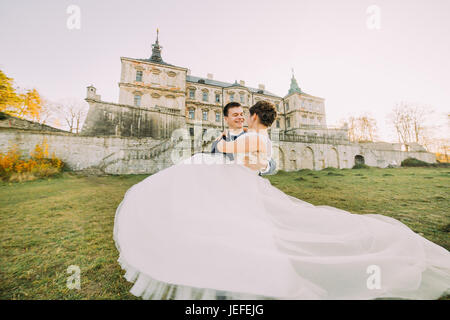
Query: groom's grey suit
230, 137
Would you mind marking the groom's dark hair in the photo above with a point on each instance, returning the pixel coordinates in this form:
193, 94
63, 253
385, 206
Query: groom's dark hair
229, 106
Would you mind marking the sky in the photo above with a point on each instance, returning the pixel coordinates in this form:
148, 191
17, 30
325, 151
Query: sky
360, 56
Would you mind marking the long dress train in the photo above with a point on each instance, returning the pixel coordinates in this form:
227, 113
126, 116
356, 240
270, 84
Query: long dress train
202, 228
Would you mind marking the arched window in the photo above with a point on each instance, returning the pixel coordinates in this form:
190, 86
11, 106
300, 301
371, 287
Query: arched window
191, 93
205, 96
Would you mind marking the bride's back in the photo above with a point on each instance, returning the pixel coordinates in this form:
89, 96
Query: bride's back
255, 158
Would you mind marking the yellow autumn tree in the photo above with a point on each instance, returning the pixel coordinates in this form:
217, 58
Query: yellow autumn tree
27, 104
8, 96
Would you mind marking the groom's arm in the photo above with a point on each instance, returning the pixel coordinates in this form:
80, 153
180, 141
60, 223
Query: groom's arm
214, 146
215, 142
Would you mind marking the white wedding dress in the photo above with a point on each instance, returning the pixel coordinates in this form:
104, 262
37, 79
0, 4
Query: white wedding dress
204, 228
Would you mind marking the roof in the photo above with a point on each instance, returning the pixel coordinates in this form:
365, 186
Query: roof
222, 84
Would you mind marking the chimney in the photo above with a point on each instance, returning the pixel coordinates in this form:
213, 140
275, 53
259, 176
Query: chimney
92, 93
209, 76
242, 83
188, 72
261, 87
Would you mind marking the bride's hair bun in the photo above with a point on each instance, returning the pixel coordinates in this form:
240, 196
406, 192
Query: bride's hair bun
266, 112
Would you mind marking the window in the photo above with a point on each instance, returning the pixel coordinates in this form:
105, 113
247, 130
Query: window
217, 97
205, 95
287, 106
191, 131
137, 100
217, 116
139, 75
278, 106
288, 120
191, 94
242, 98
191, 113
278, 123
205, 115
231, 97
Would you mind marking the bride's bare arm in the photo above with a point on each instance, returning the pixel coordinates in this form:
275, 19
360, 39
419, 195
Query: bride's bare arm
244, 144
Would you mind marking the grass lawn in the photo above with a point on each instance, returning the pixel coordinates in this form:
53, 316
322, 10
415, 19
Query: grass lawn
48, 225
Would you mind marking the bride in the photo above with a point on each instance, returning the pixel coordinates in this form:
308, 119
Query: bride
210, 228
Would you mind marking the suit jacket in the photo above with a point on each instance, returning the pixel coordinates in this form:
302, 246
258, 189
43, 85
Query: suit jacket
272, 163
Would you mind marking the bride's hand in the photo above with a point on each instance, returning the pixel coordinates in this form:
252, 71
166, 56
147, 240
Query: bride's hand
258, 165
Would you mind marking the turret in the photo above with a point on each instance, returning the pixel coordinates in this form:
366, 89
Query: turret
92, 93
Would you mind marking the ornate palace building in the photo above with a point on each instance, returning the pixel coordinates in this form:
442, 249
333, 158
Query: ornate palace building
157, 97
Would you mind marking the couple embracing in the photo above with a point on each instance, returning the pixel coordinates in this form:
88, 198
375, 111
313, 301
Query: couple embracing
206, 228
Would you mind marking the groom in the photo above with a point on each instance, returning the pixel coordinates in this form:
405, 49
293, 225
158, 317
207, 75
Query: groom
233, 114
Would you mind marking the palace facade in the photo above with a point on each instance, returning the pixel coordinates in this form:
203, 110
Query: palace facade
152, 85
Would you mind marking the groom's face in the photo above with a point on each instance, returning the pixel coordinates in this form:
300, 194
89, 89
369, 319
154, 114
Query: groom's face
235, 118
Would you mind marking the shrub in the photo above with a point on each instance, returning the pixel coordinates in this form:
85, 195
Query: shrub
14, 168
440, 164
413, 162
3, 116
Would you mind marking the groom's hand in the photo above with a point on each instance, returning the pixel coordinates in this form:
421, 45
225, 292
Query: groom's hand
223, 135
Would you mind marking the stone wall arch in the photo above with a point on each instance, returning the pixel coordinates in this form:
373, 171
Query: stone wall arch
279, 157
307, 159
359, 159
332, 158
293, 161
